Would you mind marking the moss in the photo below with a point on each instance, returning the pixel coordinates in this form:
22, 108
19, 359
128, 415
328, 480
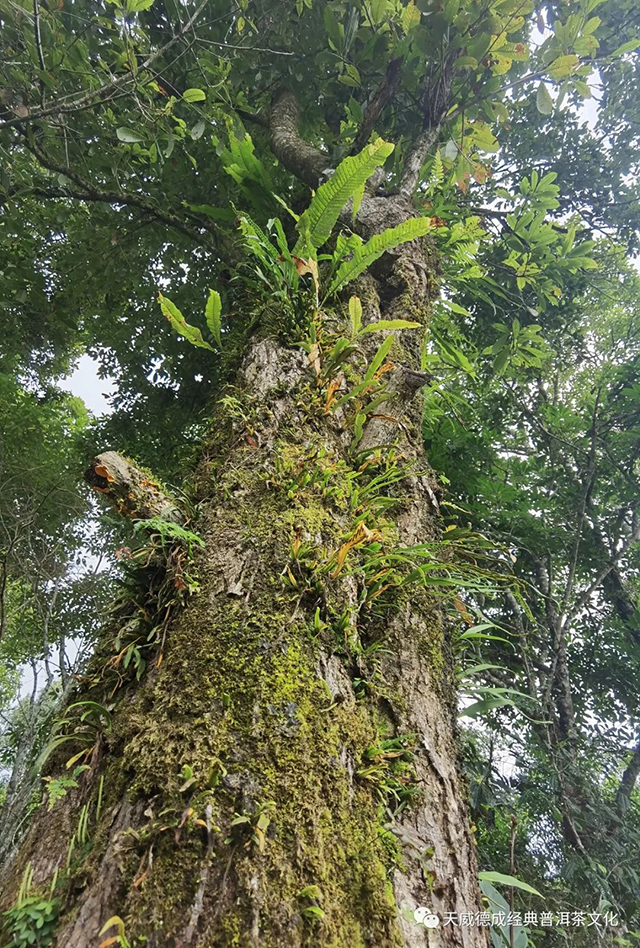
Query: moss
242, 686
239, 699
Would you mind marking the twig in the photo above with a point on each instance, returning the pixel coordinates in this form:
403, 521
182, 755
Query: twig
63, 106
38, 38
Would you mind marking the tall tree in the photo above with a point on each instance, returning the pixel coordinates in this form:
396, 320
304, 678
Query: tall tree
266, 733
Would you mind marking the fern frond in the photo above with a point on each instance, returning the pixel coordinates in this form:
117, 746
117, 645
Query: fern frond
191, 333
319, 219
364, 256
257, 241
244, 163
212, 315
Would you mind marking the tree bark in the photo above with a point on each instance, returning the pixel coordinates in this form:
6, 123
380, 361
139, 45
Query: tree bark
244, 794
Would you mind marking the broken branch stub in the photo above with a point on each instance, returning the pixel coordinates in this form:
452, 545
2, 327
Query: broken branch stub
131, 491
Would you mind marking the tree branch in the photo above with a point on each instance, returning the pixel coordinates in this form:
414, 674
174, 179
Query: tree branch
257, 118
435, 104
602, 575
69, 104
123, 200
383, 95
299, 157
130, 490
89, 192
588, 485
629, 780
36, 30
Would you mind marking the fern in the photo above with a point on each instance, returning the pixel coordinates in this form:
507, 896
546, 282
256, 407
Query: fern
212, 315
246, 169
191, 333
243, 163
257, 242
364, 256
319, 219
381, 354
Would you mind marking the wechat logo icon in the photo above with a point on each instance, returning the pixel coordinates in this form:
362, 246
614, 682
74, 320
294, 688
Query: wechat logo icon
426, 917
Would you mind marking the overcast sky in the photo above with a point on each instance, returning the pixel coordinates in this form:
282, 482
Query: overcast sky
93, 391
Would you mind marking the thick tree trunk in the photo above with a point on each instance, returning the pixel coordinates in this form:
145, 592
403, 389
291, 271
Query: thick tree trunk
245, 793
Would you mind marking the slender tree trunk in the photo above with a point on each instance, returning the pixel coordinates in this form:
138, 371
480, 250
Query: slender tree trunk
19, 791
248, 792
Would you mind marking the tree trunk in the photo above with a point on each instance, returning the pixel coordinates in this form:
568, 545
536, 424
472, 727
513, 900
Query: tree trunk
285, 773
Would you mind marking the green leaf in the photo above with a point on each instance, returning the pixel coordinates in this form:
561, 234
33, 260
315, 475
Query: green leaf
627, 47
114, 922
191, 333
212, 315
389, 324
466, 62
451, 354
378, 359
355, 313
582, 88
500, 361
481, 707
242, 164
544, 102
137, 6
194, 95
128, 135
484, 137
476, 669
335, 29
365, 255
310, 892
511, 881
312, 911
215, 213
563, 66
319, 219
410, 16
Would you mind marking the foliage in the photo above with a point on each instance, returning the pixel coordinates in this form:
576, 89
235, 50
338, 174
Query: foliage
126, 161
387, 768
33, 918
552, 445
316, 225
57, 787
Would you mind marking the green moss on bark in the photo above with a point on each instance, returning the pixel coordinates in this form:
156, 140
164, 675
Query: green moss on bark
240, 684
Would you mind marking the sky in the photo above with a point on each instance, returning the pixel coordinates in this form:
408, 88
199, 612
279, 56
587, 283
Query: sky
85, 384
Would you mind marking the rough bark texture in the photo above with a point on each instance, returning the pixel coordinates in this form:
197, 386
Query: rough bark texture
269, 712
134, 493
244, 794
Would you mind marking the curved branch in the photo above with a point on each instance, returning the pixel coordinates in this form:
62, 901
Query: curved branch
299, 157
